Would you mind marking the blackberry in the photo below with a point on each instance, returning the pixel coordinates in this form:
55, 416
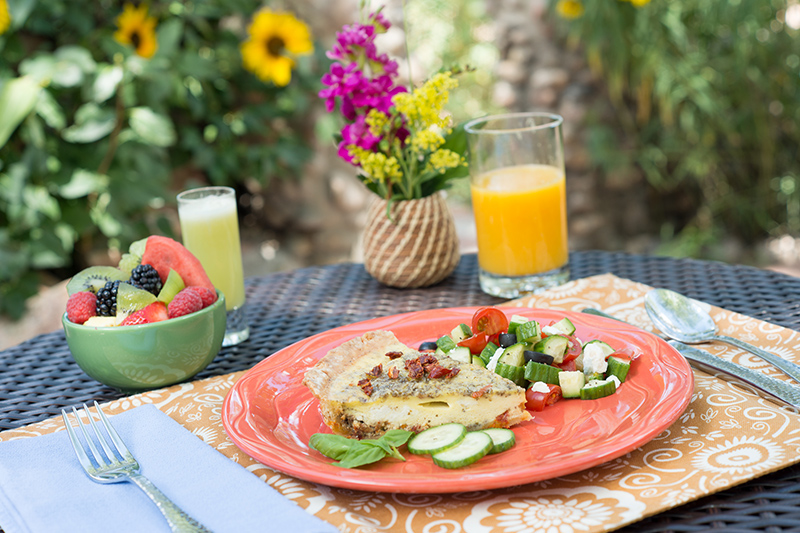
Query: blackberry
107, 299
146, 277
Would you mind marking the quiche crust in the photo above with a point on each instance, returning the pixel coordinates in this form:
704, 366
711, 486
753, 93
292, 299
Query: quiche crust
363, 392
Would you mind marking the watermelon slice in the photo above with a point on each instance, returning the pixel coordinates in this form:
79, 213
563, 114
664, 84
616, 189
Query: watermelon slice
164, 254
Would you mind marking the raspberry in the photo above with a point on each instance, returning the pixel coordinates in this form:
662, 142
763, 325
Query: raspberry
184, 303
207, 295
81, 306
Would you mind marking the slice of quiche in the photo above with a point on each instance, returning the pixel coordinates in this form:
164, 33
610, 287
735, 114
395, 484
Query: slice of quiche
374, 383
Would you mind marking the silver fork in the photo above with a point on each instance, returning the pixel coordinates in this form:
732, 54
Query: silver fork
109, 467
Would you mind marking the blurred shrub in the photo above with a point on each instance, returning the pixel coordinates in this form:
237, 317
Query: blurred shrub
706, 97
106, 110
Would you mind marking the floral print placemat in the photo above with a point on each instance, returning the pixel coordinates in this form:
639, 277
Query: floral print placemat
726, 436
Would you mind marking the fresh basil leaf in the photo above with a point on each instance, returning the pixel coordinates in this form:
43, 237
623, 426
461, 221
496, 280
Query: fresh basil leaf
387, 448
361, 454
396, 437
329, 445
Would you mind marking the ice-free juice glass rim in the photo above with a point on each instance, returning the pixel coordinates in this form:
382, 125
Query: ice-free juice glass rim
471, 126
204, 192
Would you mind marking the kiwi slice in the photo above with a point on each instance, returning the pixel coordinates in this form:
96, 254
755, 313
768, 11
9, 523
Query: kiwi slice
128, 262
94, 278
137, 248
130, 299
172, 286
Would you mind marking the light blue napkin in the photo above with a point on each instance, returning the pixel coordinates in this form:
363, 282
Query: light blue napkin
44, 489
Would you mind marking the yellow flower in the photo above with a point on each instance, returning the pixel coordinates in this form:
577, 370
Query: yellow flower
5, 17
443, 159
424, 105
137, 29
639, 3
426, 141
376, 165
274, 38
569, 9
377, 121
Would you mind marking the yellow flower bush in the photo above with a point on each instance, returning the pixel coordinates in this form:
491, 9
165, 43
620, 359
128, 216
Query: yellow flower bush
5, 17
275, 38
569, 9
136, 28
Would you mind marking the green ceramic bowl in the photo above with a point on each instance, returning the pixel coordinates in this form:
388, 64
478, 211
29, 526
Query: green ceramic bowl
149, 356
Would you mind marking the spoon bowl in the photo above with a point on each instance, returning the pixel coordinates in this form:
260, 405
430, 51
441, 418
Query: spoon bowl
684, 320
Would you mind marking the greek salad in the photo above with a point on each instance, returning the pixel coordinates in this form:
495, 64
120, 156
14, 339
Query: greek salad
549, 361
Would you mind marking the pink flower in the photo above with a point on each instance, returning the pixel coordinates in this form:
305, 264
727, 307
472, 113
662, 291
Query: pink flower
357, 133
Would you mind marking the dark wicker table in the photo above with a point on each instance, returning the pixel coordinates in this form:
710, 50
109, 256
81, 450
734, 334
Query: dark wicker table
39, 377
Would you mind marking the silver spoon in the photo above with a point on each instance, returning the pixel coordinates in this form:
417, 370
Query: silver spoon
683, 319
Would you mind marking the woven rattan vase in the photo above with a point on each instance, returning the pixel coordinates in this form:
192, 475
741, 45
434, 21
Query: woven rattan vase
416, 247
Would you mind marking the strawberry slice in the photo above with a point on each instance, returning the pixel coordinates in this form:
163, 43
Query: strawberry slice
155, 312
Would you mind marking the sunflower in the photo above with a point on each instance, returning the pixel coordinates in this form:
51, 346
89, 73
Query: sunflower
569, 9
5, 17
274, 38
137, 29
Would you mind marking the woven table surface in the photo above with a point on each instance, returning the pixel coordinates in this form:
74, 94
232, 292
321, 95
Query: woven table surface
39, 376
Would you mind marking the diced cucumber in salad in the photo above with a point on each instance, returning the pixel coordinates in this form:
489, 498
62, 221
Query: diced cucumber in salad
548, 360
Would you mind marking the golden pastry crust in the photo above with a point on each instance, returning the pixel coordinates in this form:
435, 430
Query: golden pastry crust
320, 377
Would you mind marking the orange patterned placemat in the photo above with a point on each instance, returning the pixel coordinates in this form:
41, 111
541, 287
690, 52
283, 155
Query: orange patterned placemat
725, 437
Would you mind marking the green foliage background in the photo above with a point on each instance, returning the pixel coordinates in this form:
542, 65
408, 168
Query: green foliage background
706, 99
95, 140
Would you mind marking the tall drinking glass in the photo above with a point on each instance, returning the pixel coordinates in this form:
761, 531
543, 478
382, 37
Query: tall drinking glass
518, 189
210, 229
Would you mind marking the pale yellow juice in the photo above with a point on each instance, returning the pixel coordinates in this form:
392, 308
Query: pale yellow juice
521, 219
210, 231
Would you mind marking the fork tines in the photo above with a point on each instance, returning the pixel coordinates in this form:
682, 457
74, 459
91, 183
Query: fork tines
100, 459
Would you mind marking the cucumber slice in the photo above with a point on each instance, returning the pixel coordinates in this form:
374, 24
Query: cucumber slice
488, 352
540, 372
514, 373
502, 439
437, 439
514, 355
597, 389
460, 332
555, 345
565, 326
618, 367
460, 353
474, 446
446, 343
571, 383
529, 332
607, 350
515, 322
476, 360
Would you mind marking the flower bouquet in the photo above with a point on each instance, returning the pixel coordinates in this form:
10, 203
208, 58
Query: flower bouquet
406, 152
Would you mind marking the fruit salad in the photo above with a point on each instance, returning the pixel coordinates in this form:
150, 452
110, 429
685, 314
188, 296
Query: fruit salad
156, 280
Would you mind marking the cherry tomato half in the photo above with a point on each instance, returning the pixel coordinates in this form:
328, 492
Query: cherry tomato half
537, 401
476, 343
568, 366
574, 350
489, 320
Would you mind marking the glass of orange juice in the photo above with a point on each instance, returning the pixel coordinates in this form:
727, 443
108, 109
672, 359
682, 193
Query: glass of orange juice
518, 190
210, 230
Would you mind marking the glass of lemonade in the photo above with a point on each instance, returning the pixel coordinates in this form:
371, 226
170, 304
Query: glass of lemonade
518, 189
210, 229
